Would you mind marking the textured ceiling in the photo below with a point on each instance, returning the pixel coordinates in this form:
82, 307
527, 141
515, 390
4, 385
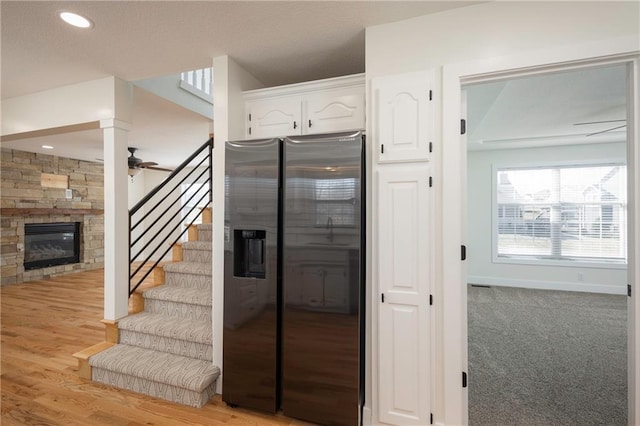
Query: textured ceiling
278, 42
579, 106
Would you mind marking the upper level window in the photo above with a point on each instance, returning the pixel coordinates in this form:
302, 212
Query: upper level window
565, 213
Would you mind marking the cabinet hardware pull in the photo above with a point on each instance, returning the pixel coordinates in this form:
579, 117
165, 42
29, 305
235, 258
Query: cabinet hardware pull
309, 123
295, 125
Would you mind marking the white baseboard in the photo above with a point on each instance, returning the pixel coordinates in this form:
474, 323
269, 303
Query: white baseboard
366, 416
548, 285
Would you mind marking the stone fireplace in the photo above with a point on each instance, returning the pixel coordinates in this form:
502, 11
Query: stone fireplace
27, 199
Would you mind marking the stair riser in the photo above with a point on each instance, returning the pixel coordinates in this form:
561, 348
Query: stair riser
204, 235
178, 310
154, 389
199, 256
203, 351
180, 279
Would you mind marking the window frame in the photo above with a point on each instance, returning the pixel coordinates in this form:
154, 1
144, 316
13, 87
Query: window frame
548, 261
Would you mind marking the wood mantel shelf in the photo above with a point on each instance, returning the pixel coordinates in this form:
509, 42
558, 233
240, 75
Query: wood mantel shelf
9, 211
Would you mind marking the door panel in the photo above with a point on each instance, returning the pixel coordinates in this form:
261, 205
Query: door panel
250, 274
330, 113
403, 125
321, 327
404, 271
274, 118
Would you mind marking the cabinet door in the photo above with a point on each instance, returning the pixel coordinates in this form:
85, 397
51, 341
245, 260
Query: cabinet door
274, 118
403, 126
332, 112
404, 273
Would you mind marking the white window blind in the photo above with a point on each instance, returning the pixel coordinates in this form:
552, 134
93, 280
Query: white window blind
562, 213
335, 201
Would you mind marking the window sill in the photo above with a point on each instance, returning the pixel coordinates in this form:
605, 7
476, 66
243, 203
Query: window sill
567, 263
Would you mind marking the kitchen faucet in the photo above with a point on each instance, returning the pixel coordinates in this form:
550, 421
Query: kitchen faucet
330, 228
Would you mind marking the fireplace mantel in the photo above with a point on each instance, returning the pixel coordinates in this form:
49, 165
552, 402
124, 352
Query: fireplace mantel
10, 211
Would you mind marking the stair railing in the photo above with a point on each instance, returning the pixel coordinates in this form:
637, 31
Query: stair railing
155, 221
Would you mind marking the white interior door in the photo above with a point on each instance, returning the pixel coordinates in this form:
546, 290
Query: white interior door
404, 270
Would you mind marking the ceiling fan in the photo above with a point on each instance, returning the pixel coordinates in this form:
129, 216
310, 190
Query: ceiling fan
136, 164
603, 121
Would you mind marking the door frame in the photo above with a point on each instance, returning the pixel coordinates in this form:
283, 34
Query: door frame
454, 204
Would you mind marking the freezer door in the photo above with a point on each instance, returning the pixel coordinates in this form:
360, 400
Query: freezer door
250, 339
322, 278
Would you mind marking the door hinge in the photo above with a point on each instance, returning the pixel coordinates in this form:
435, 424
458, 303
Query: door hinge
431, 418
430, 181
249, 117
463, 127
629, 290
430, 95
463, 252
431, 299
382, 297
464, 379
430, 146
382, 148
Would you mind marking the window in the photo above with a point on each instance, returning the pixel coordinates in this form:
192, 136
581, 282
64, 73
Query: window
562, 213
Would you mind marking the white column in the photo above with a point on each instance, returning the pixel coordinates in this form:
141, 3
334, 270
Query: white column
116, 220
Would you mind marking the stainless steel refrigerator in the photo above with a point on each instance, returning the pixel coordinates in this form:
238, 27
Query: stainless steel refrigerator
294, 255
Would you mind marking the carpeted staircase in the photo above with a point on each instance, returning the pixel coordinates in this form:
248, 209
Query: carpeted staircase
166, 351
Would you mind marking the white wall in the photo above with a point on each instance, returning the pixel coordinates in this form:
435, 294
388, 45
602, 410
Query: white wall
168, 88
86, 102
136, 190
491, 32
480, 181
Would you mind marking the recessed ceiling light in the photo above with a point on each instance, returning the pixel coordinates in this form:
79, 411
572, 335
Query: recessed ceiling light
47, 146
75, 20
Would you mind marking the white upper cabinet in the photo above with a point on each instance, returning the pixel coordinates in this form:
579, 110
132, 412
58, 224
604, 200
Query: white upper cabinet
270, 118
403, 122
334, 111
323, 106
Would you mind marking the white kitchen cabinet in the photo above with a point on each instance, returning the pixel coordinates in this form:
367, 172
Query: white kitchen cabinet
333, 111
323, 106
404, 274
273, 117
403, 117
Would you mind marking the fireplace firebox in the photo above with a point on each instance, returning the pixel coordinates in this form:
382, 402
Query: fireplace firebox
50, 244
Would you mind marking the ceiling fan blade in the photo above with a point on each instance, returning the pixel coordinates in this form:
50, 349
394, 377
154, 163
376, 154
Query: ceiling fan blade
598, 122
159, 168
147, 164
607, 130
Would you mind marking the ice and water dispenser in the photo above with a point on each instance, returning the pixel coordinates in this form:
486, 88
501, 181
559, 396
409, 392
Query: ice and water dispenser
249, 253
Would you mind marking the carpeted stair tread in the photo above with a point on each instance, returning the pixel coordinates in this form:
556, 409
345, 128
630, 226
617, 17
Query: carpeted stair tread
189, 268
190, 296
160, 325
197, 245
160, 367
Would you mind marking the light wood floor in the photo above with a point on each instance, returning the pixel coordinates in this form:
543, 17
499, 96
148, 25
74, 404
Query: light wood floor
43, 323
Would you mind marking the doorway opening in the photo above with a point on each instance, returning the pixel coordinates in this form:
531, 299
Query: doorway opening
547, 223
